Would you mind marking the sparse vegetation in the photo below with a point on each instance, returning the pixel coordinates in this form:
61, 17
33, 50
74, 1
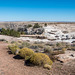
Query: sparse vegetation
29, 25
45, 24
10, 32
40, 54
17, 61
25, 44
58, 44
28, 54
47, 49
36, 25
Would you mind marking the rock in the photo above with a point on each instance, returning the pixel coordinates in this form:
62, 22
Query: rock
67, 56
36, 31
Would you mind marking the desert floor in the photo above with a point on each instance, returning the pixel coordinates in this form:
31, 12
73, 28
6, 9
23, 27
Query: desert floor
11, 65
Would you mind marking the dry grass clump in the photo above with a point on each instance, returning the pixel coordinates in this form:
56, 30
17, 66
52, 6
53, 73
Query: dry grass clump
21, 44
25, 44
34, 46
58, 44
47, 49
64, 49
16, 43
40, 45
61, 44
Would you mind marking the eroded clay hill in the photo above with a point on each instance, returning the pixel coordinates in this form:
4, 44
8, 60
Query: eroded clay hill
68, 26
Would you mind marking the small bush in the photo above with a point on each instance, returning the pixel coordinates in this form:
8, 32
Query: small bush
58, 44
16, 43
64, 49
12, 42
9, 46
36, 25
47, 49
25, 44
26, 53
10, 32
34, 46
40, 59
13, 48
29, 25
45, 24
40, 45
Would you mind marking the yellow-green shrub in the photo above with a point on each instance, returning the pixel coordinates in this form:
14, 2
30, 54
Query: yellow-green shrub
9, 46
26, 53
13, 48
40, 59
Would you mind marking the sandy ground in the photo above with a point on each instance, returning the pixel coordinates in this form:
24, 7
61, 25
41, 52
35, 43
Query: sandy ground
11, 66
8, 38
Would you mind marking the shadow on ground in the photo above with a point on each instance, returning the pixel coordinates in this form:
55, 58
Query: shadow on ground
17, 57
28, 63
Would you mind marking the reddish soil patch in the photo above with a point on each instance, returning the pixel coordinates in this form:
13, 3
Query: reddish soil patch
11, 66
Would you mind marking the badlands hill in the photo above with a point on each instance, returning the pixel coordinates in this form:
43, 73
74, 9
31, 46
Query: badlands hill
64, 26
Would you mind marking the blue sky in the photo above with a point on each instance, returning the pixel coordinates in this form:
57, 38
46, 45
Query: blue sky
37, 10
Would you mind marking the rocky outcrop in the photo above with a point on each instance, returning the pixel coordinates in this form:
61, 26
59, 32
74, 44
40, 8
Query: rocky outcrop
68, 56
37, 31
